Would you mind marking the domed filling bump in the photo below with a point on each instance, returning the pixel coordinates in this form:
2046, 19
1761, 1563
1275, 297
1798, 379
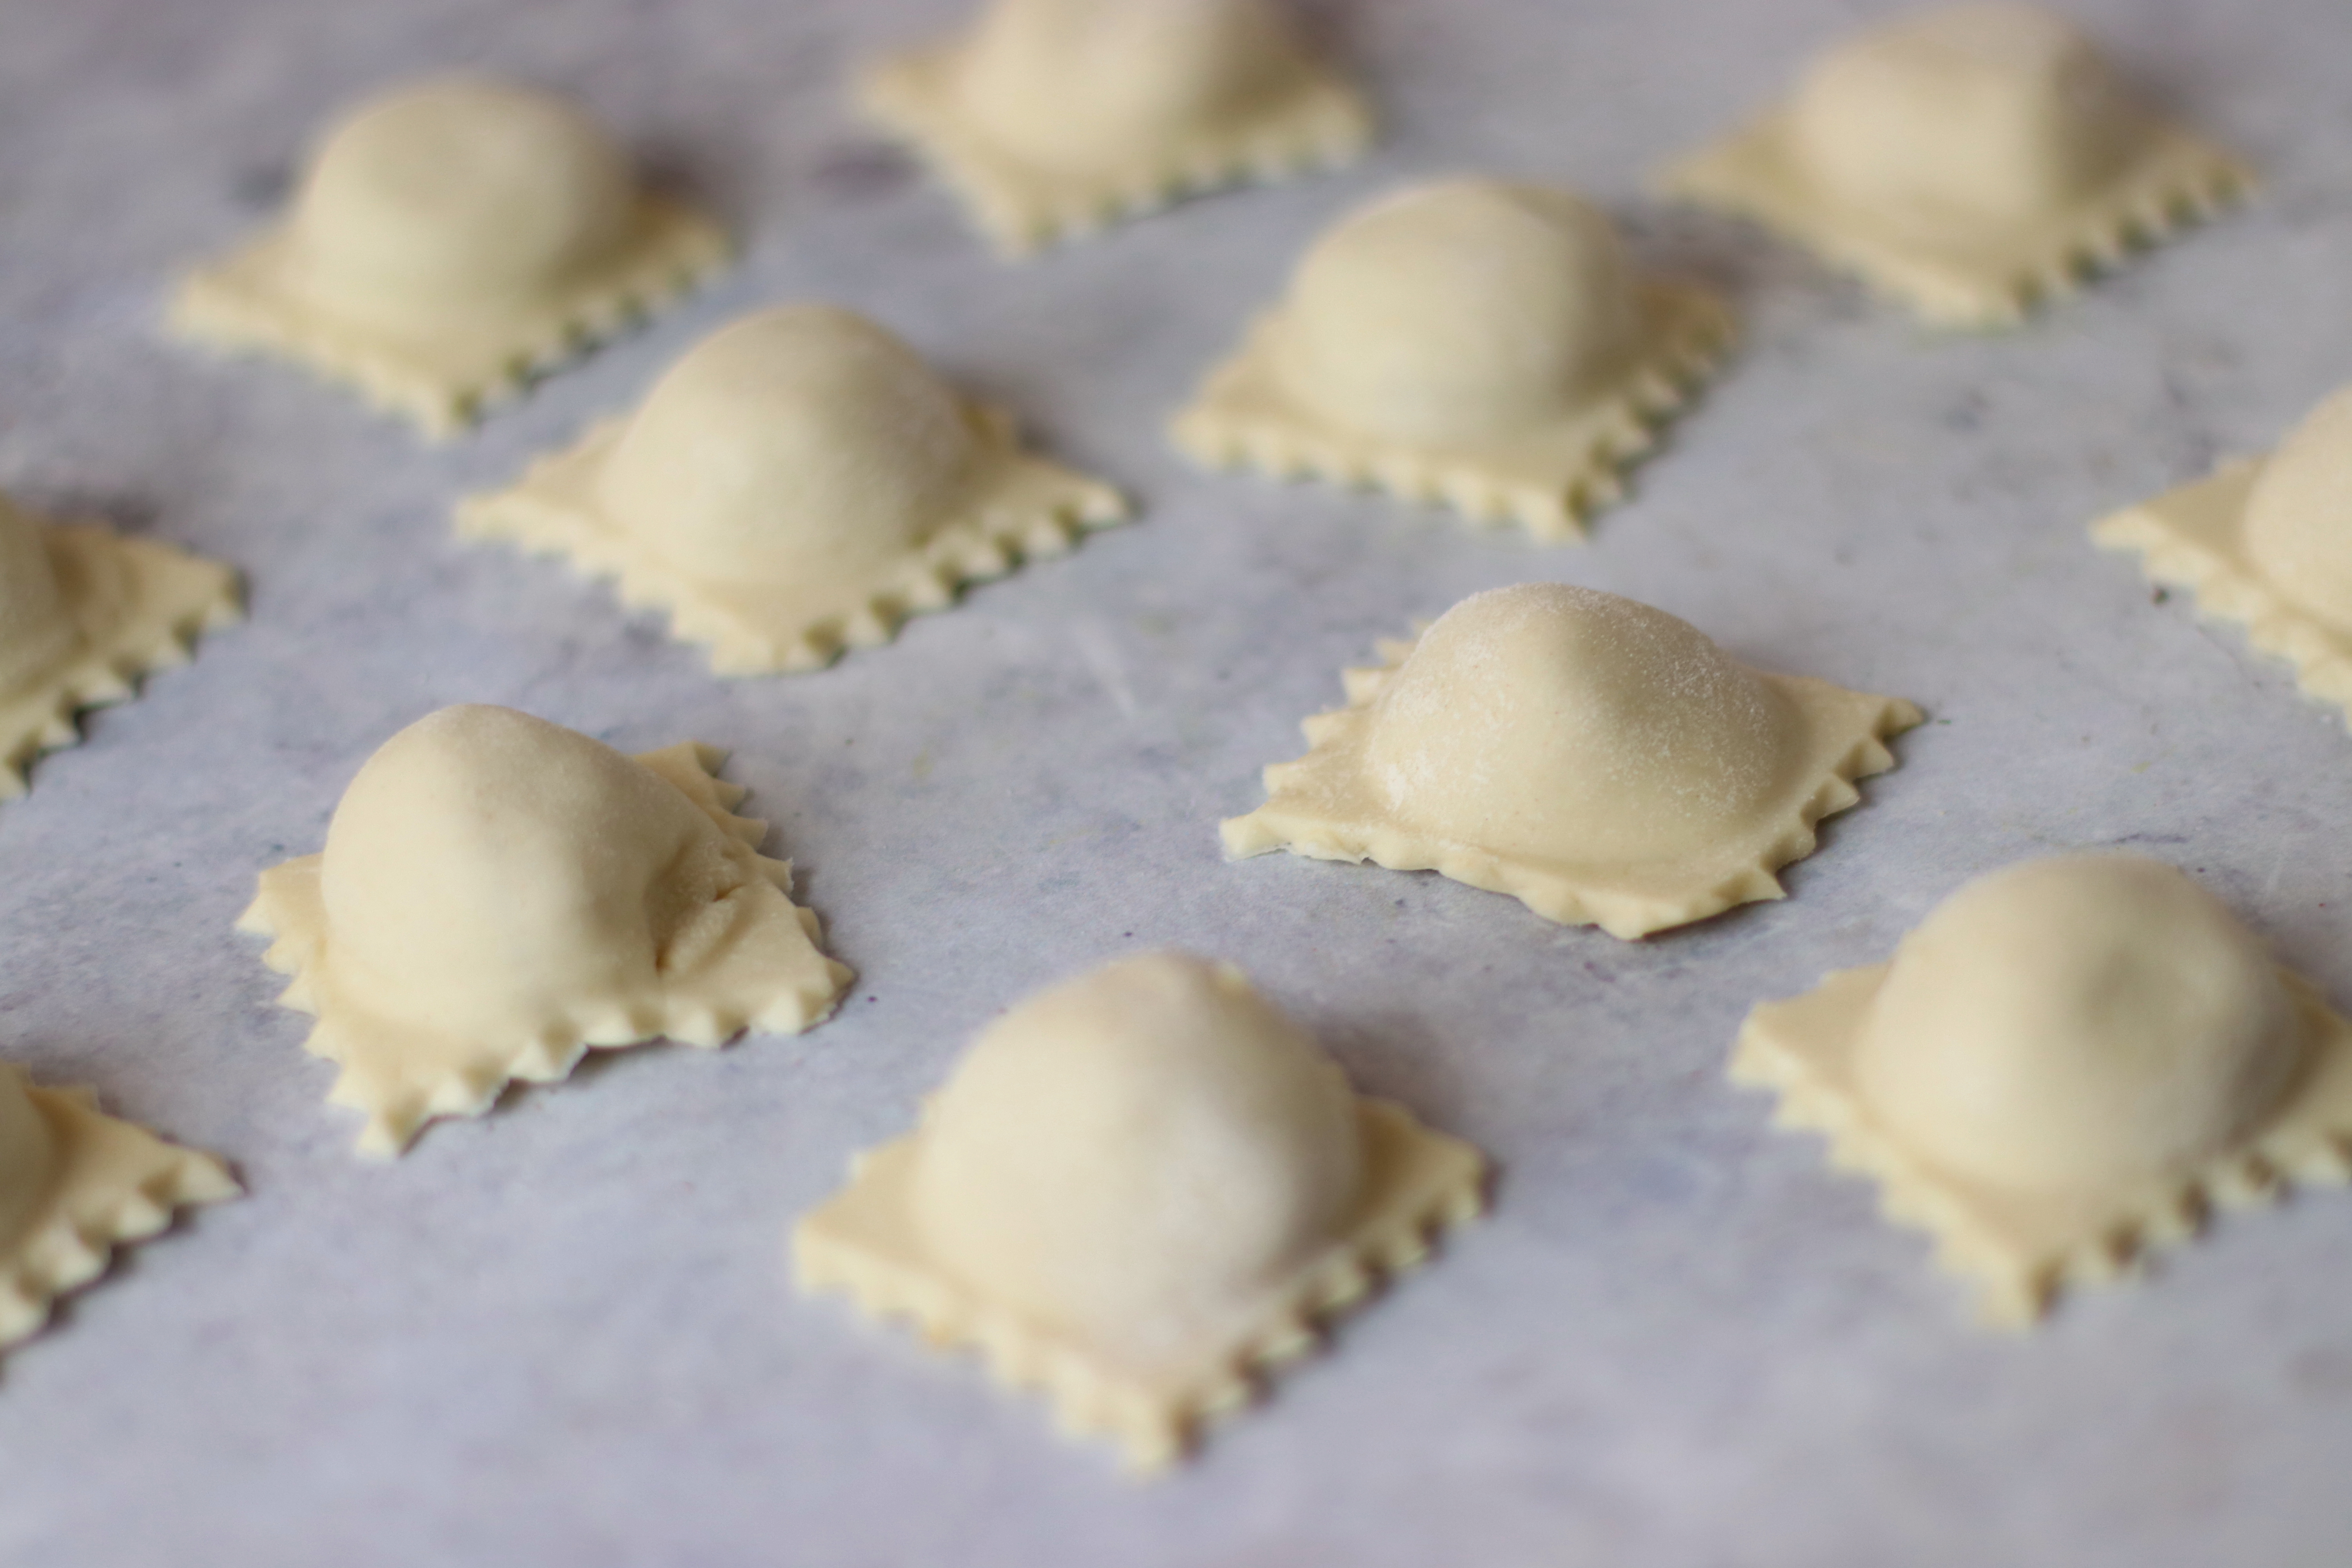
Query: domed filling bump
458, 194
1461, 311
1063, 81
1138, 1155
1054, 117
2079, 1021
490, 870
798, 444
1561, 724
1964, 115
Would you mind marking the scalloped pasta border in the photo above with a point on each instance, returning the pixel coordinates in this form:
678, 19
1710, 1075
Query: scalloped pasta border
68, 1243
177, 597
217, 304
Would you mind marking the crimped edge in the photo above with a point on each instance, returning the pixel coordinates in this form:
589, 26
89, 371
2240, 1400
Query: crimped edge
178, 599
1222, 428
1323, 123
2230, 589
1566, 900
71, 1243
2182, 180
2015, 1291
991, 538
681, 248
284, 909
1153, 1427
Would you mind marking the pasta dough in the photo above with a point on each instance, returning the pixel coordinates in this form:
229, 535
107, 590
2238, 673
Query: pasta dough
2062, 1066
1476, 342
74, 1183
799, 481
1971, 160
1052, 118
1137, 1190
2265, 542
498, 894
83, 615
453, 237
1599, 761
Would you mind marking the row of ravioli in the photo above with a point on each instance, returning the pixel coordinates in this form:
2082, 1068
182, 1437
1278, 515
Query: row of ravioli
1480, 344
454, 238
1144, 1191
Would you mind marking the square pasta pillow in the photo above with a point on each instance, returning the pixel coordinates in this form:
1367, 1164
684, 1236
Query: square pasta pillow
1969, 160
451, 239
1053, 117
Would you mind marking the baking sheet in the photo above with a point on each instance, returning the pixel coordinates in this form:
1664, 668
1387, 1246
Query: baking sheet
564, 1334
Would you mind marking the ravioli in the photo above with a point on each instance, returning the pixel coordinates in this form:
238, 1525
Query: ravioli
1971, 161
2063, 1067
800, 482
2265, 542
74, 1184
84, 614
1054, 117
1139, 1191
1476, 342
499, 894
453, 238
1599, 761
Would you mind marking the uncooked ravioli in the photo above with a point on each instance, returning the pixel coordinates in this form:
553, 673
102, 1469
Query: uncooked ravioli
84, 614
1052, 118
451, 239
2265, 542
1971, 160
1139, 1190
74, 1184
2062, 1066
800, 481
1477, 343
499, 894
1599, 760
